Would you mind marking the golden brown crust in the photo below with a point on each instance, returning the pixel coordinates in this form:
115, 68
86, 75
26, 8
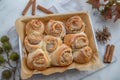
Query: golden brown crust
62, 56
36, 25
38, 60
83, 55
75, 25
51, 43
34, 37
55, 28
76, 41
30, 47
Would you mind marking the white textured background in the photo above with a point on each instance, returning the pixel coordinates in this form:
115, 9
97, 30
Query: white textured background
10, 10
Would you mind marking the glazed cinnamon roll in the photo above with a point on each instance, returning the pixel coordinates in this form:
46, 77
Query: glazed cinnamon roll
62, 56
75, 25
38, 60
36, 25
51, 43
83, 55
33, 41
76, 41
55, 28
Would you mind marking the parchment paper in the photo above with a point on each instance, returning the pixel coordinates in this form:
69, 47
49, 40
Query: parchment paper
94, 64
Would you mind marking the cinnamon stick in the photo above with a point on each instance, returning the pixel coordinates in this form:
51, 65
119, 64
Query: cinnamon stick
33, 7
107, 53
26, 7
111, 53
44, 9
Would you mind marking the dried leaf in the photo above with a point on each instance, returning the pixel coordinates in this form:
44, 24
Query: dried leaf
107, 13
117, 16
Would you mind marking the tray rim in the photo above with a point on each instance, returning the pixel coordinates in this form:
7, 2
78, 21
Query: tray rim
96, 45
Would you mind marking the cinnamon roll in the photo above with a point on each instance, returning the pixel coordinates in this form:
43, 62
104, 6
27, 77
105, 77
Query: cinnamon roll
33, 41
76, 41
62, 56
34, 24
83, 55
55, 28
75, 25
34, 37
51, 43
38, 60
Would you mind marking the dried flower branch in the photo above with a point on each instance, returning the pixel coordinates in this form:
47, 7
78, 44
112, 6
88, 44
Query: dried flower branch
7, 48
108, 9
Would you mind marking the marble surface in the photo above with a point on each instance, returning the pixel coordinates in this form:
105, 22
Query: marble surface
10, 10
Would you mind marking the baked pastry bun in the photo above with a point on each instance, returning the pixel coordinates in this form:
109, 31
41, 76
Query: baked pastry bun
34, 24
83, 55
76, 41
75, 25
33, 41
51, 43
34, 37
55, 28
38, 60
62, 56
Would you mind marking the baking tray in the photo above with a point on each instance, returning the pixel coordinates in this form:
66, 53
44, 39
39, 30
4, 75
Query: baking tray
93, 38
